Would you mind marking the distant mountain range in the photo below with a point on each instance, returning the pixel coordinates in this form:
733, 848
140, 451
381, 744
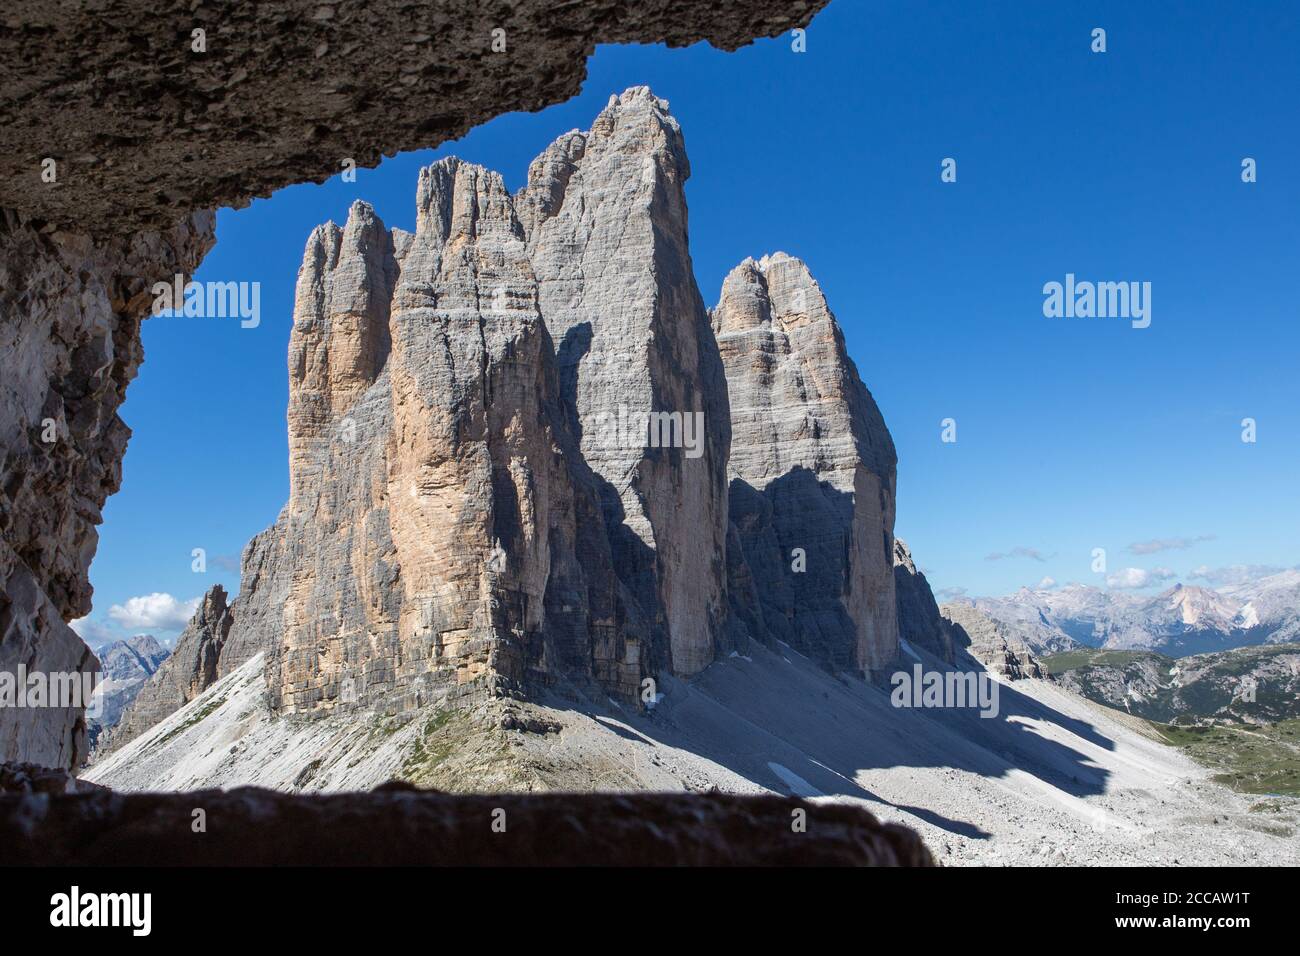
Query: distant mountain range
1182, 620
1250, 685
126, 666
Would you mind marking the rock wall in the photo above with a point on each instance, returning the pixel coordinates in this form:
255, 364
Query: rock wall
110, 147
447, 537
919, 619
70, 313
194, 665
605, 213
812, 470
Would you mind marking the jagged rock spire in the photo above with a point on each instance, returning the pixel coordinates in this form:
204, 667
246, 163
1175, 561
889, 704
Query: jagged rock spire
812, 468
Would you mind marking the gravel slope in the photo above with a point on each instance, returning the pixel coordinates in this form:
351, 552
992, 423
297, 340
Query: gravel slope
1053, 779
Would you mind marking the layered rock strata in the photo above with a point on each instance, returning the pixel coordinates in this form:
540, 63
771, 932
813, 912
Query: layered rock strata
606, 221
812, 470
126, 138
195, 664
70, 313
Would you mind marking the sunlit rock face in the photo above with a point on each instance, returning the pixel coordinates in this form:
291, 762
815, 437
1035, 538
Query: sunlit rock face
607, 237
443, 536
464, 515
137, 158
812, 469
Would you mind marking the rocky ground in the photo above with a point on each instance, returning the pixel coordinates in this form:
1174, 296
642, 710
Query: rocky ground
1053, 779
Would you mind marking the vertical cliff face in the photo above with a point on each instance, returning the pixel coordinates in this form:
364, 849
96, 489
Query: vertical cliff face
919, 619
812, 470
193, 666
605, 217
504, 573
509, 437
443, 536
70, 313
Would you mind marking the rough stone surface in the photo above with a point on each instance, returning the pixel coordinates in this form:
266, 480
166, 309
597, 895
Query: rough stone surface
145, 133
606, 219
919, 619
398, 825
25, 779
463, 517
145, 130
194, 665
126, 665
990, 642
70, 313
812, 469
443, 534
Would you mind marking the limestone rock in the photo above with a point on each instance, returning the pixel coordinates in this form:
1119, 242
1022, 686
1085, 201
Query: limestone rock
70, 313
283, 92
812, 469
605, 217
990, 642
127, 665
443, 536
194, 665
919, 619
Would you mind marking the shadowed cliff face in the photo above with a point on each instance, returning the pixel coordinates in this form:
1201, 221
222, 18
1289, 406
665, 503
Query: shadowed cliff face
812, 466
143, 130
50, 819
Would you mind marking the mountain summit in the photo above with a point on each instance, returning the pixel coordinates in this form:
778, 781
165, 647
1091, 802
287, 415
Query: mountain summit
524, 454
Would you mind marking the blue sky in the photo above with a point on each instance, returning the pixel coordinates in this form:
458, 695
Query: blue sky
1072, 434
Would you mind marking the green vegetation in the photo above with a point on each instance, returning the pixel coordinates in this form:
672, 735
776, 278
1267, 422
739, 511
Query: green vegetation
429, 752
193, 719
1250, 759
1093, 657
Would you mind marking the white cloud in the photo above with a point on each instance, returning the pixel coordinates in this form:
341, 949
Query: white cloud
1046, 584
1020, 551
1129, 579
93, 633
1167, 544
158, 611
1234, 574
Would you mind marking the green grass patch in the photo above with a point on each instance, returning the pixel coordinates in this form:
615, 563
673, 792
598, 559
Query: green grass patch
1095, 657
1261, 759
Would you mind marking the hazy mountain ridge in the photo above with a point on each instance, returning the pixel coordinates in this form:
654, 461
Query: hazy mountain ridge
1259, 684
1180, 621
125, 666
